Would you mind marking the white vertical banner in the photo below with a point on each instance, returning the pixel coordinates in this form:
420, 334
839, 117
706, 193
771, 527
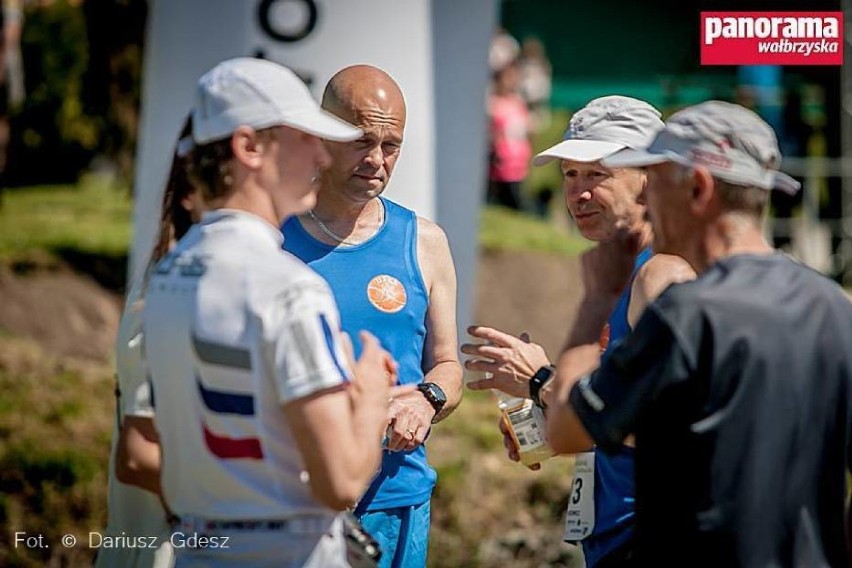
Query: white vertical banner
435, 49
461, 35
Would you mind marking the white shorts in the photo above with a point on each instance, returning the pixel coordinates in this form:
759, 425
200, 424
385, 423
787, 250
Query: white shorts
127, 557
311, 547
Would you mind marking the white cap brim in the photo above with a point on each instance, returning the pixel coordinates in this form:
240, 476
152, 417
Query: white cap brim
324, 125
578, 151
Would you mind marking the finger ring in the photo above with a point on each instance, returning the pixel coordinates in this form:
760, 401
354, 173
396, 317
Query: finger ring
411, 433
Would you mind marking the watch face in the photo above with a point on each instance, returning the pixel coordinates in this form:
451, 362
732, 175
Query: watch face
543, 375
433, 392
436, 392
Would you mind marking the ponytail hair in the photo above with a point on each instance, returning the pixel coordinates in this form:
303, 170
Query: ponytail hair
175, 220
205, 168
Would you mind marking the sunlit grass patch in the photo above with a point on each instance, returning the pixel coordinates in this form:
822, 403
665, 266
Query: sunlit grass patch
91, 217
503, 229
54, 449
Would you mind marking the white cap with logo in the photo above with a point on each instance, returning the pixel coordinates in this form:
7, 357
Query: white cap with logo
732, 142
604, 126
260, 94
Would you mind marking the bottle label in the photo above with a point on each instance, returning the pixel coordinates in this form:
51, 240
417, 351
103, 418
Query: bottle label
580, 516
527, 426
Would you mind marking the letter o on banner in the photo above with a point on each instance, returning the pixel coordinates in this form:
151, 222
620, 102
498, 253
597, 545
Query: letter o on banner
304, 10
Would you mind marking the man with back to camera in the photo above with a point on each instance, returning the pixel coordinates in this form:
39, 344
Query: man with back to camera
736, 385
604, 202
267, 430
392, 274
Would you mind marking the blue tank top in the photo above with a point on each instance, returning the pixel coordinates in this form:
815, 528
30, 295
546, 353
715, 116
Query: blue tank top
378, 287
614, 483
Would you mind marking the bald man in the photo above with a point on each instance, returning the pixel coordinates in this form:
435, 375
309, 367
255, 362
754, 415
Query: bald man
391, 273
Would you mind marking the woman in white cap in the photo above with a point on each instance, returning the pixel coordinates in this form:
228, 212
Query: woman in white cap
267, 427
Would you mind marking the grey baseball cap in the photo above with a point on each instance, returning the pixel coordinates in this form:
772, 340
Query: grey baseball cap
732, 142
604, 126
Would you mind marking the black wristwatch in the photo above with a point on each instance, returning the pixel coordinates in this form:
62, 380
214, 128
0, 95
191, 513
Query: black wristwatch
538, 380
435, 395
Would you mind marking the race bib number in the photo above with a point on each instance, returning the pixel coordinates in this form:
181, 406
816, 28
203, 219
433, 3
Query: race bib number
580, 516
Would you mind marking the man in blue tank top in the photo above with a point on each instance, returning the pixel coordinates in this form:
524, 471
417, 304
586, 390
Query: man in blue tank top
392, 274
604, 204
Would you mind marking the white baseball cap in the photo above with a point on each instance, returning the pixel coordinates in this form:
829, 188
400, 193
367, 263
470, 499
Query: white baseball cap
604, 126
732, 142
259, 93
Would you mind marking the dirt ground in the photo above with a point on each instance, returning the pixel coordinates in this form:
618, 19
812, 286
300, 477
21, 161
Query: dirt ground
533, 292
69, 315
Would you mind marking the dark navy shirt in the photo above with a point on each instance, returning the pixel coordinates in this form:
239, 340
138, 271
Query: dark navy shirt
614, 476
738, 387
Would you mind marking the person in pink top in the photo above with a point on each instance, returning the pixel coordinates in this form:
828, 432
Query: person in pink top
511, 149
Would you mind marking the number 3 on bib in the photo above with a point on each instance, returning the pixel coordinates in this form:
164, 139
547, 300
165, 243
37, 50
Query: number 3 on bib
580, 516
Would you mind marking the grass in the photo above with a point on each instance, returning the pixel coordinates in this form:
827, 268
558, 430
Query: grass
504, 229
92, 217
488, 511
54, 447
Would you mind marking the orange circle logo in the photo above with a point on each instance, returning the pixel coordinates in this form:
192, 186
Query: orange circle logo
387, 294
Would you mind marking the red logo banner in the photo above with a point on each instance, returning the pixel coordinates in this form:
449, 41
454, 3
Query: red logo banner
771, 38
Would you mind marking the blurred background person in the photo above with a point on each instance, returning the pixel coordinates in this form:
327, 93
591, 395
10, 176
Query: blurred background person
536, 82
504, 50
135, 455
510, 146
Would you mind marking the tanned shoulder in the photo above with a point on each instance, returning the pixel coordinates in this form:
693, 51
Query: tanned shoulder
660, 272
433, 252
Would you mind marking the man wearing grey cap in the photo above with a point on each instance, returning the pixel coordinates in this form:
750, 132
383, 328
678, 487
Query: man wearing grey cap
738, 385
268, 429
604, 203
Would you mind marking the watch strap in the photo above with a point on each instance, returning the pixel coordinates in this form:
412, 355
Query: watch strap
537, 382
429, 395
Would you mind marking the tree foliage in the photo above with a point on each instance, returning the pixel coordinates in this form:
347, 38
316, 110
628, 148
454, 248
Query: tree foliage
82, 67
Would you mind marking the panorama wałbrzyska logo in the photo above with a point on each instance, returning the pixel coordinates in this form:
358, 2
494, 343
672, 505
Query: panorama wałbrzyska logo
771, 38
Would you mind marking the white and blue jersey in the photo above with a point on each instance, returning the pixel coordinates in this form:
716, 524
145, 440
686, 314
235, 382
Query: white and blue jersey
234, 329
131, 510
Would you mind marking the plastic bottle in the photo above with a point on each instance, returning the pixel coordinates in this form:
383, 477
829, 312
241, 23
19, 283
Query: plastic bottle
525, 423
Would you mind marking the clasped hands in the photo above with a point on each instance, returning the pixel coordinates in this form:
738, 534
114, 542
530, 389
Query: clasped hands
374, 381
